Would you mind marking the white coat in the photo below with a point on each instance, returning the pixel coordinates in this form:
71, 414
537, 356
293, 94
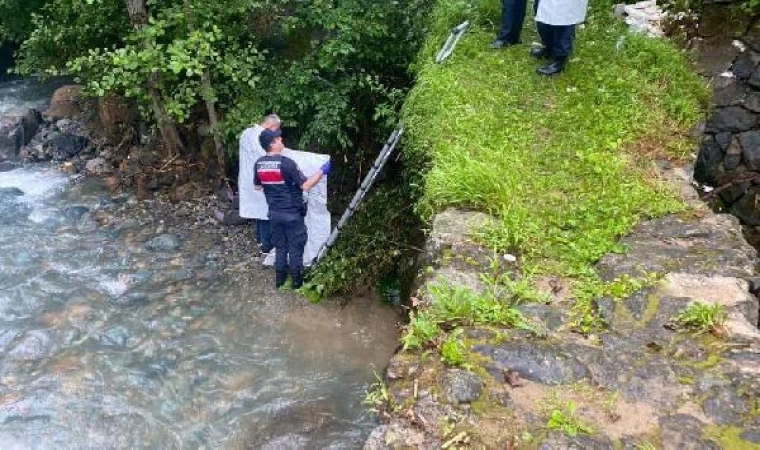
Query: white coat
253, 204
561, 12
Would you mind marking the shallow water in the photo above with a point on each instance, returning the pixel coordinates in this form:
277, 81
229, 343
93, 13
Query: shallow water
109, 342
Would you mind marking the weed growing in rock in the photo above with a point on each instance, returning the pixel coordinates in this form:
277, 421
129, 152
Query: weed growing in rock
423, 328
564, 420
457, 304
454, 306
646, 445
701, 318
589, 288
453, 351
378, 395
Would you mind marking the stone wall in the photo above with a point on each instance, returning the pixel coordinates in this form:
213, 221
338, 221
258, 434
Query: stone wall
729, 157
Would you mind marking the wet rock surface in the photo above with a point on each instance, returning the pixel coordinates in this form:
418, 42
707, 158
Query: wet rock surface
642, 382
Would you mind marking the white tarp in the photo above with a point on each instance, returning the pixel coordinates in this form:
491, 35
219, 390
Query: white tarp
253, 204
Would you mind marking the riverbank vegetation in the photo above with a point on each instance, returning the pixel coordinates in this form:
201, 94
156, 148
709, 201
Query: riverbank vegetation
565, 165
200, 72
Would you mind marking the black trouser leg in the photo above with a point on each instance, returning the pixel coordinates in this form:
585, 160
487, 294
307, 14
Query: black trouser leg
297, 236
563, 37
280, 242
512, 18
547, 36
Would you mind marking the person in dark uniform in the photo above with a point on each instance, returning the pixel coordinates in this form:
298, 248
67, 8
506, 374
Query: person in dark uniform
512, 18
283, 185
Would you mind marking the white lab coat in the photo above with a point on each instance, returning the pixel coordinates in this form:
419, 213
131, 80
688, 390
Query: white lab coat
561, 12
253, 204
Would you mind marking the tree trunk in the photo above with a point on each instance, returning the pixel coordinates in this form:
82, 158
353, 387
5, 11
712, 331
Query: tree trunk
138, 14
208, 97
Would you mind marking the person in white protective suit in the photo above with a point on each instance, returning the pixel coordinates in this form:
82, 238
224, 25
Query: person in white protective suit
253, 205
556, 21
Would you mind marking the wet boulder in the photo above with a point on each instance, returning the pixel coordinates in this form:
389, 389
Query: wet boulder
64, 103
164, 243
16, 130
65, 146
10, 192
98, 166
34, 345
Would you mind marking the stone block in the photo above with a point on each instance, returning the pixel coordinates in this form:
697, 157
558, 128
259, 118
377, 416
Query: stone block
709, 158
734, 155
731, 118
750, 149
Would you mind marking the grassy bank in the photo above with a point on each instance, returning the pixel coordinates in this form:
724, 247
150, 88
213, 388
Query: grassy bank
564, 164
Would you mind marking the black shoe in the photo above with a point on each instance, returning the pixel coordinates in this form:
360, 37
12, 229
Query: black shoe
540, 53
297, 280
500, 43
280, 278
552, 68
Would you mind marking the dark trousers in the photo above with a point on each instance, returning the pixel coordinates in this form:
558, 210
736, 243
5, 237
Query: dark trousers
289, 239
264, 234
558, 39
512, 18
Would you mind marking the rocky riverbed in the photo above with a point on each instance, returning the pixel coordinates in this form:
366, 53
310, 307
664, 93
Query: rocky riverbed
151, 323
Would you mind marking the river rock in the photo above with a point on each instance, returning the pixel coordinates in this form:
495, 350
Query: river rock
65, 146
64, 103
35, 344
98, 166
7, 166
10, 192
396, 435
16, 130
164, 243
75, 212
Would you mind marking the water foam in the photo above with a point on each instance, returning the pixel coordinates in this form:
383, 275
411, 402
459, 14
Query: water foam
36, 184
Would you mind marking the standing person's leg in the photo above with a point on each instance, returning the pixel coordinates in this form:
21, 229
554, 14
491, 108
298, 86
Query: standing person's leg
561, 46
512, 19
563, 42
297, 237
279, 239
265, 230
257, 230
547, 41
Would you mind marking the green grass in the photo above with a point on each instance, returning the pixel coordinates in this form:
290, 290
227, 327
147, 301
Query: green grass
564, 420
554, 160
701, 318
456, 305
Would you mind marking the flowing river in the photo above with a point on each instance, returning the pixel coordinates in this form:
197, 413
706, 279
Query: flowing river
120, 328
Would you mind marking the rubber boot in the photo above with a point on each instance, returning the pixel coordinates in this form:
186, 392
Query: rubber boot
280, 279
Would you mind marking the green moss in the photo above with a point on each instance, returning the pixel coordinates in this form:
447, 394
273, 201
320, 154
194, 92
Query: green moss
712, 360
729, 438
653, 305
